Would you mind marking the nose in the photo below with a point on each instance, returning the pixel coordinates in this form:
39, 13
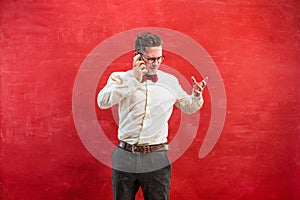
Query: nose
156, 61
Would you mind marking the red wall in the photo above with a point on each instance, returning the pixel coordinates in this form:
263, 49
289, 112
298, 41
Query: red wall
255, 45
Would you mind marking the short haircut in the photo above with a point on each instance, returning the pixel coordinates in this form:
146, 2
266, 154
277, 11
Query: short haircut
145, 40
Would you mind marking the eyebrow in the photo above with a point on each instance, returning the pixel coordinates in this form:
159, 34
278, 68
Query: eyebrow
150, 57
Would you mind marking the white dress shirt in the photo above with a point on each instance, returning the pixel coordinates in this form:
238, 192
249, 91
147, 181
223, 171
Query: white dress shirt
145, 108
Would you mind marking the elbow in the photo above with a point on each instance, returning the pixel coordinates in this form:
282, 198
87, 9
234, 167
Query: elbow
102, 102
102, 106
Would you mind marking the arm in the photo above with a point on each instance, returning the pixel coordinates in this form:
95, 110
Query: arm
119, 86
191, 103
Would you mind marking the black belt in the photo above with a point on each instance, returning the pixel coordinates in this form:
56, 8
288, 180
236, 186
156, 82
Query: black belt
143, 148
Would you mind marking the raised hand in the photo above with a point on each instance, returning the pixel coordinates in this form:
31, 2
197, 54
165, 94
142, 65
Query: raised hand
198, 87
139, 67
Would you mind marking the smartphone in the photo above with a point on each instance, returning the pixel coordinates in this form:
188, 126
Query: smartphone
141, 57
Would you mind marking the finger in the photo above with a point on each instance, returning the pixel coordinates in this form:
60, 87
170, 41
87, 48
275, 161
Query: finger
194, 80
199, 85
137, 61
142, 67
139, 65
204, 82
206, 79
197, 92
136, 57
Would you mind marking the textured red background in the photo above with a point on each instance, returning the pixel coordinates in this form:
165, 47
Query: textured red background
255, 45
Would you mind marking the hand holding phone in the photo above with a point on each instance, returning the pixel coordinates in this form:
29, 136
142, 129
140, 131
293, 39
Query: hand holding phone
139, 67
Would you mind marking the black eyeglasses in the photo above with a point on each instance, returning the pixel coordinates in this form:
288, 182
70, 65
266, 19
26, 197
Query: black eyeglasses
152, 60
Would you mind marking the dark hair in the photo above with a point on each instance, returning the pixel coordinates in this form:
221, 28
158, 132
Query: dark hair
147, 39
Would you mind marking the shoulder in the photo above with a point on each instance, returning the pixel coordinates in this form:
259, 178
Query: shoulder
166, 77
169, 81
122, 74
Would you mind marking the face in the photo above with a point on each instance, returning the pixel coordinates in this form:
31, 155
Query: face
152, 64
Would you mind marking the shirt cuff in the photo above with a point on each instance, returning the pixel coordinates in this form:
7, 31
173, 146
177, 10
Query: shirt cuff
198, 99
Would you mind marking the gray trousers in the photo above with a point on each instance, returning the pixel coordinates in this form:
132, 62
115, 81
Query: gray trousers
150, 171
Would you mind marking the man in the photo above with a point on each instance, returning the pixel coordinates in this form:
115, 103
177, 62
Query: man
146, 96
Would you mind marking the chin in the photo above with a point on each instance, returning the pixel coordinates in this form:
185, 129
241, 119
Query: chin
152, 71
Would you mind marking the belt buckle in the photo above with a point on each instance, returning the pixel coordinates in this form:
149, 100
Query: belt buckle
146, 149
133, 148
